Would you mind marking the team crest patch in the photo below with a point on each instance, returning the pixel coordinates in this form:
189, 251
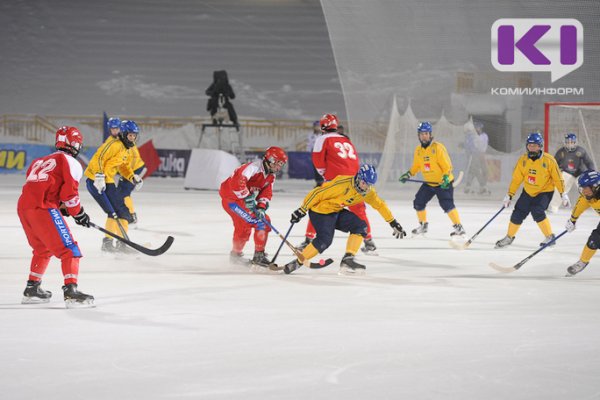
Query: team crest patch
531, 179
578, 154
427, 167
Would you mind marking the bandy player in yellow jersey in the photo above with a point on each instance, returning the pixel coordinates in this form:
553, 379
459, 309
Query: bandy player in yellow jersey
432, 160
539, 173
589, 187
327, 206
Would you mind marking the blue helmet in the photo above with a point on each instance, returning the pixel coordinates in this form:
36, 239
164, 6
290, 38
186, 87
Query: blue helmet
367, 174
113, 123
424, 127
128, 127
571, 141
590, 179
535, 138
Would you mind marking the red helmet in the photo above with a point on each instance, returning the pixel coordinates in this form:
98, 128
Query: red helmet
274, 154
69, 139
329, 123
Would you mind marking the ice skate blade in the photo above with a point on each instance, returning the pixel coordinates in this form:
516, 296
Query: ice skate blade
34, 300
369, 252
70, 303
351, 272
260, 269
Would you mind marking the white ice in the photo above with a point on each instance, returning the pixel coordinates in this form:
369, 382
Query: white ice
427, 322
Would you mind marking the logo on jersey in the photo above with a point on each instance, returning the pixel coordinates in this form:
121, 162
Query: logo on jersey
531, 180
427, 166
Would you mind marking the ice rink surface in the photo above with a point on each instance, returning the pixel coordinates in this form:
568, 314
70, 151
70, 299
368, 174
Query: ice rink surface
427, 322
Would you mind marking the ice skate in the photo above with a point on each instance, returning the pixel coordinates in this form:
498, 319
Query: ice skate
303, 245
291, 266
549, 239
76, 299
369, 248
505, 241
576, 268
238, 258
421, 229
124, 249
458, 231
350, 267
34, 294
107, 245
134, 221
261, 264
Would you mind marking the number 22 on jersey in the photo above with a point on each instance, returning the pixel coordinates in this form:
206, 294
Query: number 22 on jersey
40, 169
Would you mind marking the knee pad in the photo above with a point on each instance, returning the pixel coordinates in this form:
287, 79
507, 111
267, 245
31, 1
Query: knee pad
517, 217
538, 215
594, 240
419, 206
447, 205
322, 243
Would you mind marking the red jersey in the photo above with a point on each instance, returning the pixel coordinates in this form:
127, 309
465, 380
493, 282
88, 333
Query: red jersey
246, 179
333, 155
52, 180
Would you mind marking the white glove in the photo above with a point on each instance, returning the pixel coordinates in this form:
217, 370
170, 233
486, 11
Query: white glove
100, 183
565, 200
570, 225
506, 201
138, 182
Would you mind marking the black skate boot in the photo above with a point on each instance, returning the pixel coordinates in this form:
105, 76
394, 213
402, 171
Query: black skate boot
260, 263
34, 294
291, 266
74, 298
549, 239
576, 268
107, 245
303, 245
421, 229
369, 247
458, 230
505, 241
350, 267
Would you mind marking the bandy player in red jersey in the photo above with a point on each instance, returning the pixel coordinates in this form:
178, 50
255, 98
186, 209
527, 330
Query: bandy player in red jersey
333, 155
251, 187
51, 190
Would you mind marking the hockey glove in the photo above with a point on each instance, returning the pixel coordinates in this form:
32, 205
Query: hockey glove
506, 201
565, 200
570, 225
63, 210
399, 233
404, 177
445, 182
100, 182
260, 212
82, 218
138, 182
297, 216
250, 201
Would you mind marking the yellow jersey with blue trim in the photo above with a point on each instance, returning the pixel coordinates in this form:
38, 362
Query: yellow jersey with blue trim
538, 176
582, 205
433, 162
135, 158
112, 157
335, 195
